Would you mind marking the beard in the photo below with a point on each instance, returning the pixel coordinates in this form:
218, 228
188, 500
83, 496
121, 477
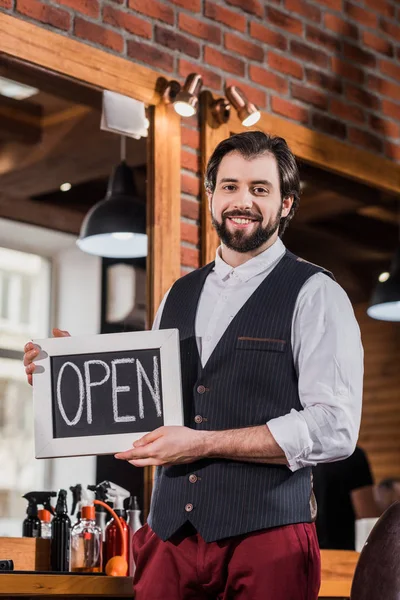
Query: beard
240, 240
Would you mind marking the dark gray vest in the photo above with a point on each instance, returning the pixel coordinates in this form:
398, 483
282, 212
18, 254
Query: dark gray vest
249, 379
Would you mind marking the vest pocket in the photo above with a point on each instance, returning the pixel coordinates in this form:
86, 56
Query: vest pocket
266, 344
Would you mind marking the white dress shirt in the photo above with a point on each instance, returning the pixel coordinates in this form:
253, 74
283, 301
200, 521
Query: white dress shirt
327, 352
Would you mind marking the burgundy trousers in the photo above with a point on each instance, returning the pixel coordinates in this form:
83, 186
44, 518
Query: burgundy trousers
282, 563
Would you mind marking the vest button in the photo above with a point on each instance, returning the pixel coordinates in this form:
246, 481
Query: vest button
189, 507
201, 389
198, 419
192, 478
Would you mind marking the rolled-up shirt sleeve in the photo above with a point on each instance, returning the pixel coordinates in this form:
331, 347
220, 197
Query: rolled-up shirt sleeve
328, 358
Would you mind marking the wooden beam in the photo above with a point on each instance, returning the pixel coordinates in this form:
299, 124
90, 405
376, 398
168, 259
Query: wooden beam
61, 54
163, 219
20, 121
311, 146
43, 215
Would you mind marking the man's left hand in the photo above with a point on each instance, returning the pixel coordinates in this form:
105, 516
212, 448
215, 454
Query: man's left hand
168, 445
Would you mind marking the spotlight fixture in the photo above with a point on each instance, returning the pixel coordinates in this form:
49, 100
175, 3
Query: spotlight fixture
247, 112
116, 226
187, 99
65, 187
385, 301
221, 110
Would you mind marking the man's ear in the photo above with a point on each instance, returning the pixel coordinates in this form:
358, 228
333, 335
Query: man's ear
209, 197
287, 205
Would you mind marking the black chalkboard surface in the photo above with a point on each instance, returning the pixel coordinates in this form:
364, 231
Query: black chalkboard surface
98, 394
113, 392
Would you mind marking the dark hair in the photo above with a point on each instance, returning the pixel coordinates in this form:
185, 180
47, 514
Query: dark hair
251, 144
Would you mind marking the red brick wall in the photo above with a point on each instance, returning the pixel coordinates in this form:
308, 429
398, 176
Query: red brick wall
332, 65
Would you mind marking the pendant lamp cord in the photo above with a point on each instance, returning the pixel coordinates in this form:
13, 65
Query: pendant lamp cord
123, 148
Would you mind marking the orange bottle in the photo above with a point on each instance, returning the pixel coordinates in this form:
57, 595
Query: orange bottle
113, 543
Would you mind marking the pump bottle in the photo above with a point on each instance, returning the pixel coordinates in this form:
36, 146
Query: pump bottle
113, 542
100, 492
45, 523
60, 535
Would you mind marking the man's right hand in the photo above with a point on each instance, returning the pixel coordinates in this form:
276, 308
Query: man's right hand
32, 350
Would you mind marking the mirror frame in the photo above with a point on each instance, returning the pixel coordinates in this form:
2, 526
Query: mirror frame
60, 54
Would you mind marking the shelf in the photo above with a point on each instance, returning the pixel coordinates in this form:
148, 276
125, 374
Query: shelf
72, 586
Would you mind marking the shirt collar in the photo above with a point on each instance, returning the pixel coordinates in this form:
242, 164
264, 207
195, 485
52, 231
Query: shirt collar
252, 267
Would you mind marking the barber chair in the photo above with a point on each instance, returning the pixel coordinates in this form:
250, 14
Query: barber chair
377, 575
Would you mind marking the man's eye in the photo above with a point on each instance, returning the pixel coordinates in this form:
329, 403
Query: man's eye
230, 187
261, 190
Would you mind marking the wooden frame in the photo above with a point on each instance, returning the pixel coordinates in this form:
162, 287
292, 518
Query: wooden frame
75, 437
60, 54
314, 147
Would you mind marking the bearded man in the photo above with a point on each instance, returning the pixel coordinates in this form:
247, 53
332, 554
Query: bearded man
272, 367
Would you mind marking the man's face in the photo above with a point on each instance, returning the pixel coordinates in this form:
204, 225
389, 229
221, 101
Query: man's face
246, 206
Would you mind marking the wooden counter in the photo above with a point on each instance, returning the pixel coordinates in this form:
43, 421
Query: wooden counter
337, 571
337, 574
64, 586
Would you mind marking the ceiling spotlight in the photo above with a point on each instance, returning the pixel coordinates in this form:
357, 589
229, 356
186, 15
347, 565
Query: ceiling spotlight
65, 187
384, 277
247, 112
187, 100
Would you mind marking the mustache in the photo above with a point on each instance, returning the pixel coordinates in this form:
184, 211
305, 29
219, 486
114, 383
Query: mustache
242, 214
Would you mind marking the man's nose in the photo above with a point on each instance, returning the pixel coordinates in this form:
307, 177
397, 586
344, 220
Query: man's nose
243, 200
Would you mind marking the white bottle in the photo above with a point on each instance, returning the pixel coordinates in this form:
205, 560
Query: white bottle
133, 513
134, 523
45, 523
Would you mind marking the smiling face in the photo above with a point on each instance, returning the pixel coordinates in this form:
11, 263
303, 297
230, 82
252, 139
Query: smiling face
246, 205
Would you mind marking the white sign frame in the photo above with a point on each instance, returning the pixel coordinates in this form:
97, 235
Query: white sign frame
164, 340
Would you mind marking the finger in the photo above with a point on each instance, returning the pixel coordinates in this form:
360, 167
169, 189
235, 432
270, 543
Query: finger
149, 437
30, 346
30, 369
144, 452
30, 379
60, 332
147, 462
30, 356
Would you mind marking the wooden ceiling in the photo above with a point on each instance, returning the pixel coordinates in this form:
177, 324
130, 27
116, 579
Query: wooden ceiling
52, 138
345, 226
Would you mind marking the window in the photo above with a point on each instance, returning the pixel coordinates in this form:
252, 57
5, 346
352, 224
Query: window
24, 314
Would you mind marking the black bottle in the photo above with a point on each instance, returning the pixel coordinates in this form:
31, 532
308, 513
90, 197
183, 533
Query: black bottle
60, 535
31, 524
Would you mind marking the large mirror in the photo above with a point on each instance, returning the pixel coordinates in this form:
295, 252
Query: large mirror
55, 164
348, 222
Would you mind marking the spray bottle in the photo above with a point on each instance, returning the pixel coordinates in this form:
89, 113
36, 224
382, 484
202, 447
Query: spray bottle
43, 498
31, 524
60, 535
134, 523
100, 492
76, 500
86, 540
112, 544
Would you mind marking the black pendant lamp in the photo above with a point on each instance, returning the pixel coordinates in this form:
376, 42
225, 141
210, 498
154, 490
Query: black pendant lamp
385, 301
116, 226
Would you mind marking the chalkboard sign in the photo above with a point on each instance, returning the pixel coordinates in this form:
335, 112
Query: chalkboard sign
97, 394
